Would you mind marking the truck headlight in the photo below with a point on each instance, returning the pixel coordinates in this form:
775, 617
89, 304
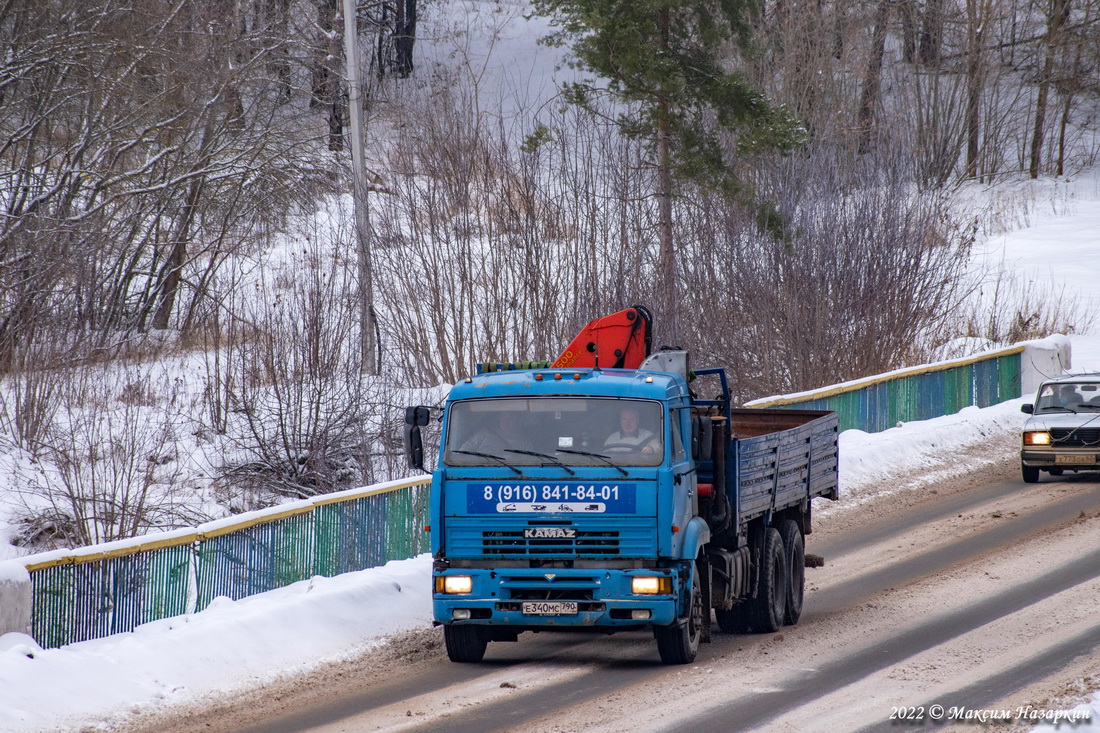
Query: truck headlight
650, 585
453, 584
1038, 437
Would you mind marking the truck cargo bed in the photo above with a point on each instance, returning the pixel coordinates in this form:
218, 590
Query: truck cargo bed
782, 458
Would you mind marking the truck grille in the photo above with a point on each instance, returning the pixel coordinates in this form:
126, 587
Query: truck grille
1075, 436
513, 542
551, 539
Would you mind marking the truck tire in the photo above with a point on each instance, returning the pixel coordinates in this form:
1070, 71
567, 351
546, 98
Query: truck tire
795, 549
465, 643
678, 643
769, 609
1030, 474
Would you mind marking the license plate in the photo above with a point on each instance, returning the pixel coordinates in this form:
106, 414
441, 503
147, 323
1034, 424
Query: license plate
549, 608
1064, 458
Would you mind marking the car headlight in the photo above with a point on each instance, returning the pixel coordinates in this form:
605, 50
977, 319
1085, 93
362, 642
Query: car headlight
453, 584
1037, 437
650, 585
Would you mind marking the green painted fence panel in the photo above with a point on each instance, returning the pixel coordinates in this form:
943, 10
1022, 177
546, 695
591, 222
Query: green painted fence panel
53, 599
919, 396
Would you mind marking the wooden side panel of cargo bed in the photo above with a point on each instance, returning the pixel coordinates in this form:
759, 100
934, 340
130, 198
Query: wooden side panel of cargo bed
784, 458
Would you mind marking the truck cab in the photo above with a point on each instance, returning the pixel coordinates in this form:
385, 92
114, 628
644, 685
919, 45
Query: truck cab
567, 500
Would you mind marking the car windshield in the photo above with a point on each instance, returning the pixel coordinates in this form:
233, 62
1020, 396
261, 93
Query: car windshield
1056, 397
572, 431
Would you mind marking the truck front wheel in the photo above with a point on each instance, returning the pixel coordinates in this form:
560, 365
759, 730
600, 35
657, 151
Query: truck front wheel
679, 643
465, 643
768, 610
1030, 473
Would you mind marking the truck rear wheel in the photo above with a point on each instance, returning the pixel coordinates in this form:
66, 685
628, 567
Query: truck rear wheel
768, 610
678, 643
465, 643
795, 549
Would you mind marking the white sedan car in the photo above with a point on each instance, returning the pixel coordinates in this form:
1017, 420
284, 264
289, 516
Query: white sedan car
1063, 432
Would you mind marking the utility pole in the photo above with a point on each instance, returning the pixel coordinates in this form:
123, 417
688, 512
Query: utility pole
367, 324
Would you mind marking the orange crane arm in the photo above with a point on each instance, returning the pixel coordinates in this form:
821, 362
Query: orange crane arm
618, 341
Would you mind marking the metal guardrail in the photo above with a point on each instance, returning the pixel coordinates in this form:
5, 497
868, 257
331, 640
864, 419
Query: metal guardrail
107, 589
918, 393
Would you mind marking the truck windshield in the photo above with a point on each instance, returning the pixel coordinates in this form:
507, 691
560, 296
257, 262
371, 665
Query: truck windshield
574, 431
1068, 397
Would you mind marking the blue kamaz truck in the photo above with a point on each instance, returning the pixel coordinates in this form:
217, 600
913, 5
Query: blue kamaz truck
610, 499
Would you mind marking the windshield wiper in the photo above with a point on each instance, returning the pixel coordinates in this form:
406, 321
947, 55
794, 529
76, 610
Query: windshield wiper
605, 459
1059, 408
570, 471
490, 456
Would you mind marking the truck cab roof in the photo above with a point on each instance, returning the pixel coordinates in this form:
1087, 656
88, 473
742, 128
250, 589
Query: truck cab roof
632, 383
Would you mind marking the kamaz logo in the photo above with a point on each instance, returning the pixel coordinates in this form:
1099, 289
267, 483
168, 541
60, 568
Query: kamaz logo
549, 533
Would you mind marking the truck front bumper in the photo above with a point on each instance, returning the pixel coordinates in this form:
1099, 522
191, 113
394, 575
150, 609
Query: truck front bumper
542, 599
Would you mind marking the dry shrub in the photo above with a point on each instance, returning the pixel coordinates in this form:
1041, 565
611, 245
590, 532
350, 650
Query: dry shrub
105, 465
1013, 308
285, 386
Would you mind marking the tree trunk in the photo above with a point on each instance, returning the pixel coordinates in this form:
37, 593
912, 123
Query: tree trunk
872, 79
908, 30
1066, 107
975, 32
931, 39
404, 35
1059, 11
171, 273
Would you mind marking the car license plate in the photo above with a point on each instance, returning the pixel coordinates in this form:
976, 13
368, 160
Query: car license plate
549, 608
1065, 458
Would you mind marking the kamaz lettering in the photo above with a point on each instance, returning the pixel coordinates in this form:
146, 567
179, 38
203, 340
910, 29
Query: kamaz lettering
549, 533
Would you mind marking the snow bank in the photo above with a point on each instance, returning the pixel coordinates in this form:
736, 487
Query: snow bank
232, 645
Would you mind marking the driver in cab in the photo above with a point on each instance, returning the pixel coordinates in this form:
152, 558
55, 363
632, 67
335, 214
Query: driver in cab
631, 436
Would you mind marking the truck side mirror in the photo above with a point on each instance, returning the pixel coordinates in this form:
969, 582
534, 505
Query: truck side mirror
415, 417
1028, 409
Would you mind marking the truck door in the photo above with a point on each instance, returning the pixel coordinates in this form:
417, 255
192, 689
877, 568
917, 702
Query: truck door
686, 501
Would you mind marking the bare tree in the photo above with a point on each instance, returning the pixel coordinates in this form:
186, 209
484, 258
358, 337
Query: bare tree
107, 459
864, 280
127, 172
286, 391
1057, 15
872, 76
